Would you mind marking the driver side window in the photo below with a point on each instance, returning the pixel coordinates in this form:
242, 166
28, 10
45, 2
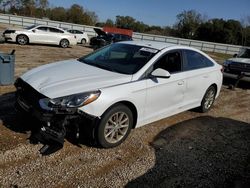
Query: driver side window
170, 62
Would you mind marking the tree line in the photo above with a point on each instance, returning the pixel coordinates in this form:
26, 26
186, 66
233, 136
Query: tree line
189, 24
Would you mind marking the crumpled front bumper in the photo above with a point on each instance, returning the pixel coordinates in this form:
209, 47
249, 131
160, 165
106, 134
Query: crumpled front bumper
55, 124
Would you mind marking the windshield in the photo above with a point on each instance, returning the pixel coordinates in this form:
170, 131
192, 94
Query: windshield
121, 58
244, 53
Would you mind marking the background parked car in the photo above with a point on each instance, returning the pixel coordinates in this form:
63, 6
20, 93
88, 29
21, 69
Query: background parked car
239, 64
81, 36
40, 34
105, 38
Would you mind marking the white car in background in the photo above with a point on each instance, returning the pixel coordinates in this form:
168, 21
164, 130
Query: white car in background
81, 36
117, 88
40, 34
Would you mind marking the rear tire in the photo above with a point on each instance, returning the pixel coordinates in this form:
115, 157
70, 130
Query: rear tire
22, 39
208, 99
64, 43
83, 41
115, 126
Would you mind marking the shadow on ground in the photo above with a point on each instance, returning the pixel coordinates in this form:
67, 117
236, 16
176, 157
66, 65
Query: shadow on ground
201, 152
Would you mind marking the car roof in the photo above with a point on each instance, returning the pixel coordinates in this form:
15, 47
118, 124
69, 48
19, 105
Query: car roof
57, 27
150, 44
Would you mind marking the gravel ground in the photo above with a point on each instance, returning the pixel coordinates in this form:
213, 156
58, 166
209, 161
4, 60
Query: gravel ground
186, 150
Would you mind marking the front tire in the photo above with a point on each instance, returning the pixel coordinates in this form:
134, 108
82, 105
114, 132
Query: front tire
115, 126
208, 99
22, 39
64, 43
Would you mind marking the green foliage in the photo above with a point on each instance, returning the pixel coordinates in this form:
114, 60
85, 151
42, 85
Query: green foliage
189, 24
40, 9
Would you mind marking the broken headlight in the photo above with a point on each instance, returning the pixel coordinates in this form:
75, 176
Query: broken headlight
70, 101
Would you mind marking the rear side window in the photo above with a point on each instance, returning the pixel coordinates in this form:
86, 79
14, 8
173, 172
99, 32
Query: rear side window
195, 60
42, 28
54, 30
78, 32
71, 31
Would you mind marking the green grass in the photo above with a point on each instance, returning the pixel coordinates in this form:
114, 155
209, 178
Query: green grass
219, 57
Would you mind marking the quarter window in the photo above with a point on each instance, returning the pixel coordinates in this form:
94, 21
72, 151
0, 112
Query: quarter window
195, 60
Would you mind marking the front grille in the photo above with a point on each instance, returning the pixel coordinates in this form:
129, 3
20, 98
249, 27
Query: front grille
240, 67
27, 95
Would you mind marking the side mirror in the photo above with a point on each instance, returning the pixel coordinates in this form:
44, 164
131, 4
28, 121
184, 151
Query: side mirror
33, 30
160, 73
235, 55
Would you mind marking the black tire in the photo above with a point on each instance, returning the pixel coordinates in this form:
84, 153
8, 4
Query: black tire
208, 99
22, 39
83, 41
64, 43
115, 126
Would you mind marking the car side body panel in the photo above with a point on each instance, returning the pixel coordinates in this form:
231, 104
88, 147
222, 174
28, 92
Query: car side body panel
42, 37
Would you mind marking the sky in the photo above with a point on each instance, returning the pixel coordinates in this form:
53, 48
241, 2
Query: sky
160, 12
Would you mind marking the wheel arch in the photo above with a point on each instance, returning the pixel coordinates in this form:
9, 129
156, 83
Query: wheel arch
131, 106
215, 87
83, 39
64, 39
24, 35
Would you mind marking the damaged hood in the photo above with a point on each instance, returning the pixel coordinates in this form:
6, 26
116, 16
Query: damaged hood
71, 77
100, 32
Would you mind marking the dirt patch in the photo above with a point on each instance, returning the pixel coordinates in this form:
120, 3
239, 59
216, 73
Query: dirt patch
74, 165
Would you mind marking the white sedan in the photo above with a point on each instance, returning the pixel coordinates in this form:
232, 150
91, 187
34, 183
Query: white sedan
81, 36
117, 88
40, 34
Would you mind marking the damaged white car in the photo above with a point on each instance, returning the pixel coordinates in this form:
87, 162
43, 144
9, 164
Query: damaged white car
117, 88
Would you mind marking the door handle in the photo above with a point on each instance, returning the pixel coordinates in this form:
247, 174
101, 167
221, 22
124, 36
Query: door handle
180, 83
205, 76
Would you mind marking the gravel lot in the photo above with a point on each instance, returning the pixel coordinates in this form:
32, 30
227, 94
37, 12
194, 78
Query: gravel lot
186, 150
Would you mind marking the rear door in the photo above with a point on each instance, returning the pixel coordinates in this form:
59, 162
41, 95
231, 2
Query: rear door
198, 76
54, 35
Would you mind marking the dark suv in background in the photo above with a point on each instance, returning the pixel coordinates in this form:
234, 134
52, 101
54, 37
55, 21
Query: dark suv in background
239, 64
105, 38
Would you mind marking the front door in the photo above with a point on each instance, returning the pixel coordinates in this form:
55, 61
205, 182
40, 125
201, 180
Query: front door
165, 95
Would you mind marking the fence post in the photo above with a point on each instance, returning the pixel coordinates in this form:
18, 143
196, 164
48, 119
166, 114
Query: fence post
227, 50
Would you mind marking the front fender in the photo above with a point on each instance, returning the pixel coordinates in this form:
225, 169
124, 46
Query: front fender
133, 92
